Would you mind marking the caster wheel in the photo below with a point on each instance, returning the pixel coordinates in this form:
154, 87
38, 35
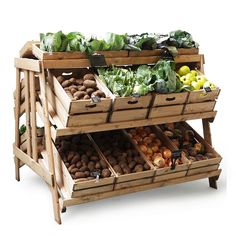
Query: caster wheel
63, 210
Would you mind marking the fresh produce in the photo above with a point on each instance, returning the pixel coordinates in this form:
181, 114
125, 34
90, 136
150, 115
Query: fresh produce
76, 41
120, 153
152, 146
184, 139
81, 159
192, 79
81, 88
22, 129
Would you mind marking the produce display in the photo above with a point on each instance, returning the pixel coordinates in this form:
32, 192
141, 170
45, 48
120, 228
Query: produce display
81, 159
194, 79
184, 139
76, 41
152, 147
80, 88
120, 153
160, 78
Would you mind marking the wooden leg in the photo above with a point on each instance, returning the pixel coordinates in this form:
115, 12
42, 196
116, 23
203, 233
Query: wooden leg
207, 130
212, 182
17, 168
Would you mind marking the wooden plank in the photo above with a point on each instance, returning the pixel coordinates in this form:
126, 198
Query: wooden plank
166, 111
170, 99
199, 107
27, 111
95, 197
91, 191
129, 115
207, 131
26, 50
203, 169
202, 95
170, 176
131, 124
28, 64
44, 174
129, 184
84, 63
33, 115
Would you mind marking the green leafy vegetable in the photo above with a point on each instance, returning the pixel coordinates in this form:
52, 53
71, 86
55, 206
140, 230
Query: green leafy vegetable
115, 41
76, 42
22, 129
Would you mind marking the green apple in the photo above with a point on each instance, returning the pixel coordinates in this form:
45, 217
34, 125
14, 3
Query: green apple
196, 85
194, 72
201, 79
185, 80
209, 84
191, 77
183, 70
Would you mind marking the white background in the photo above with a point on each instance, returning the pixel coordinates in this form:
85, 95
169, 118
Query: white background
187, 209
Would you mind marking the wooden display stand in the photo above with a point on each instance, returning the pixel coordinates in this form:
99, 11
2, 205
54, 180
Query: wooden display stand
31, 98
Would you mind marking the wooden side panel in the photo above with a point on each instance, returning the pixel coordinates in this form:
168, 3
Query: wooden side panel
202, 96
133, 183
170, 99
91, 191
166, 111
28, 64
129, 115
199, 107
203, 169
170, 176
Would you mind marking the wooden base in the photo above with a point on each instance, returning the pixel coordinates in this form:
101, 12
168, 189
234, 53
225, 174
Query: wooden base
212, 182
100, 196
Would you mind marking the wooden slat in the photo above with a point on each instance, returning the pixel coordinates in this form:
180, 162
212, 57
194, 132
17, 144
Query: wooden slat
130, 124
129, 115
166, 111
83, 63
202, 95
45, 174
28, 64
199, 107
95, 197
202, 169
174, 175
33, 115
26, 50
129, 184
169, 99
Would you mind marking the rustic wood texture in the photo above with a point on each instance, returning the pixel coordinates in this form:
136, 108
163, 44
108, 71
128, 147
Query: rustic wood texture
202, 95
28, 64
166, 111
170, 99
206, 130
26, 50
199, 107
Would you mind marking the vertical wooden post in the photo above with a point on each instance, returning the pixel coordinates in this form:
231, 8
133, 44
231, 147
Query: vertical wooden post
207, 137
27, 111
17, 123
47, 131
33, 115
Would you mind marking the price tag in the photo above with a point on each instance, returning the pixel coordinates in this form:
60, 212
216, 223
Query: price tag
175, 156
207, 89
96, 174
95, 99
97, 60
166, 54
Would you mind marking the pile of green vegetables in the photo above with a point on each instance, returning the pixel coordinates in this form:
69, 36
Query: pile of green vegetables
160, 78
76, 41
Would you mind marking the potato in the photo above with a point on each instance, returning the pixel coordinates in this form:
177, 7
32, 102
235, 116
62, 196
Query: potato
72, 80
138, 168
79, 81
103, 164
132, 164
80, 174
123, 164
66, 83
79, 94
126, 170
70, 156
91, 165
118, 169
98, 165
73, 90
60, 79
112, 160
87, 173
89, 77
71, 167
83, 168
75, 159
78, 164
74, 170
99, 93
146, 167
67, 164
89, 84
89, 91
106, 173
86, 97
82, 88
93, 158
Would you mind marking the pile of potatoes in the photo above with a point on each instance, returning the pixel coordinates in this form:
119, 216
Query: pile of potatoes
184, 139
81, 159
120, 153
81, 88
152, 147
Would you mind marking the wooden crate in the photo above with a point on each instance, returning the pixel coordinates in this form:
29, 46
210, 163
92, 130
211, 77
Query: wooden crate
165, 111
76, 188
203, 96
199, 107
157, 52
166, 172
132, 179
43, 55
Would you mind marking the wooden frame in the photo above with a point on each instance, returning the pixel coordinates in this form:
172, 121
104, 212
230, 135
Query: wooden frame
31, 100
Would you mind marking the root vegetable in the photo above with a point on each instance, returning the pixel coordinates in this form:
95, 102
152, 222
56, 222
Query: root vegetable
89, 84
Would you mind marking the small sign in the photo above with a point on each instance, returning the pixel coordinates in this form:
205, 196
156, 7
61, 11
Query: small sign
175, 156
95, 99
97, 60
207, 89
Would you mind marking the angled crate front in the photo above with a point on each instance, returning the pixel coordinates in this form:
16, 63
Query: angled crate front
74, 112
130, 167
69, 172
